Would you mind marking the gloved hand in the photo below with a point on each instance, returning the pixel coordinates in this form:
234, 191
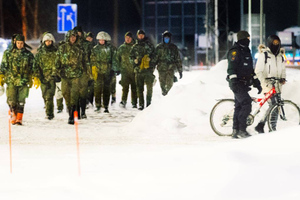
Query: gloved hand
57, 79
259, 89
2, 79
256, 84
234, 86
180, 75
282, 81
95, 72
36, 82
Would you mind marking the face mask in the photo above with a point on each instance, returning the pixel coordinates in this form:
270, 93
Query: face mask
166, 40
245, 42
275, 46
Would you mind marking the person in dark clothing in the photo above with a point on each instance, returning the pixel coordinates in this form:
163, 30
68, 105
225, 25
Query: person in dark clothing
240, 77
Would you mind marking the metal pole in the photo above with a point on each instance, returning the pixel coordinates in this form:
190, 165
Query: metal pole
67, 1
143, 15
206, 31
156, 22
249, 22
182, 23
196, 33
1, 18
216, 33
261, 22
242, 15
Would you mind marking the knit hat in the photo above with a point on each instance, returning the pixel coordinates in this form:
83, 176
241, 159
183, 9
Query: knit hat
90, 34
129, 34
140, 32
242, 35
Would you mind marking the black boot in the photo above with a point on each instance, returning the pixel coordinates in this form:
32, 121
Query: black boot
106, 110
260, 127
234, 133
82, 106
71, 116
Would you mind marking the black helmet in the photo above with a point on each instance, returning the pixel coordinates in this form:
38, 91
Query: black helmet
167, 34
274, 44
140, 32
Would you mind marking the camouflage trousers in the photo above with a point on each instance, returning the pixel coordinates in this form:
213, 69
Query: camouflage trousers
70, 91
144, 78
16, 96
113, 84
126, 81
166, 79
102, 90
59, 97
48, 91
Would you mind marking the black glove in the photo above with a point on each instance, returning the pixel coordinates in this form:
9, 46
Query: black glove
180, 75
175, 79
256, 84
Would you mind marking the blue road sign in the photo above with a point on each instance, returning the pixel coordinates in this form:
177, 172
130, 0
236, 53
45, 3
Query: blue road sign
66, 17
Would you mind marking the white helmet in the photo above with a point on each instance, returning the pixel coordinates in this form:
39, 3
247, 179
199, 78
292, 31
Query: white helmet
48, 36
2, 90
107, 37
101, 36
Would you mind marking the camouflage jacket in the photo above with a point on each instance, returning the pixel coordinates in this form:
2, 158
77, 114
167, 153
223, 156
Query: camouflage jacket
138, 51
104, 58
69, 60
17, 66
44, 63
124, 64
167, 57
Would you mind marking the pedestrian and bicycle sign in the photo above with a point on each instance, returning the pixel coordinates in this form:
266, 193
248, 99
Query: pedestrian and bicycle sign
66, 17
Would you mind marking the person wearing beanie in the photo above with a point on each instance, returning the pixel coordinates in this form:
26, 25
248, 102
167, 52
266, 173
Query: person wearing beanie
127, 71
270, 63
141, 56
168, 61
17, 74
45, 73
240, 77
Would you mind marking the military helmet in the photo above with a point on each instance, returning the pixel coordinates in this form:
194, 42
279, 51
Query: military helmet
2, 90
140, 32
100, 35
107, 37
90, 34
167, 34
78, 29
20, 37
129, 34
48, 36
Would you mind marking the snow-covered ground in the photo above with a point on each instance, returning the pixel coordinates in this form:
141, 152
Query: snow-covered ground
167, 151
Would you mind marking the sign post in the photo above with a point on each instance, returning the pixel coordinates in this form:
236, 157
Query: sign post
66, 17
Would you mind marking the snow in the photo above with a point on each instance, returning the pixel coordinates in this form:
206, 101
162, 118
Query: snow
167, 151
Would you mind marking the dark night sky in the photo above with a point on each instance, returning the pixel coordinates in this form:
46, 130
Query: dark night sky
97, 15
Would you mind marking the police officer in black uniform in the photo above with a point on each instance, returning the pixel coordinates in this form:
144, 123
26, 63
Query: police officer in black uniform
240, 77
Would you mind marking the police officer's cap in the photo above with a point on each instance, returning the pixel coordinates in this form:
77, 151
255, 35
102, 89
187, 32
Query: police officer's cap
242, 35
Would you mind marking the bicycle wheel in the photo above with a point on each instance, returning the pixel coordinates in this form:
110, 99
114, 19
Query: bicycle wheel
221, 117
283, 115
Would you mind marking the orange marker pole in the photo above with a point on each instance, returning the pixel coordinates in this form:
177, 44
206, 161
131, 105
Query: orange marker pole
77, 140
9, 130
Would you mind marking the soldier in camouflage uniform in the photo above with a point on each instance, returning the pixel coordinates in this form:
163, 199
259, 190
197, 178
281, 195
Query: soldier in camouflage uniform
127, 72
103, 68
141, 56
45, 70
69, 63
90, 96
16, 67
168, 60
87, 75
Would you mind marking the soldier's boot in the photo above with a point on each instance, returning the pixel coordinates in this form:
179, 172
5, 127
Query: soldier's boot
141, 107
122, 104
19, 118
113, 100
148, 103
98, 108
82, 105
71, 116
106, 110
79, 109
13, 118
234, 133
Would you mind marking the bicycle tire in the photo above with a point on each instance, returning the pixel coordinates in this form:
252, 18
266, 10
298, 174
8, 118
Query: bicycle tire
221, 117
277, 120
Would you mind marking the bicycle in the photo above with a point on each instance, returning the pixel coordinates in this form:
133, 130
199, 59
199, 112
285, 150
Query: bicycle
283, 113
